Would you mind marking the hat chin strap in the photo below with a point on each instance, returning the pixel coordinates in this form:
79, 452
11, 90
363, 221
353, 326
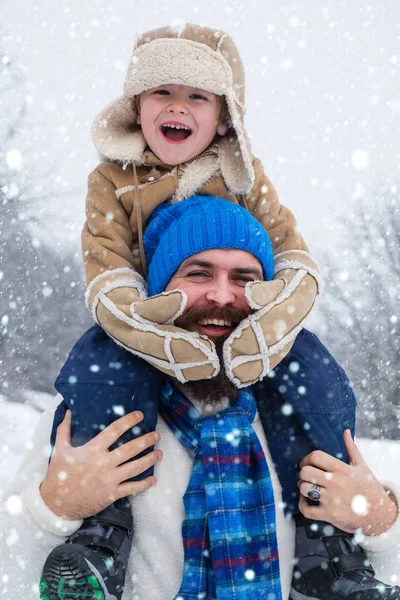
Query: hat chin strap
139, 220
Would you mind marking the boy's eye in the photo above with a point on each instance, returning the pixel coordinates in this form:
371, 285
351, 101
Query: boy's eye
162, 92
198, 97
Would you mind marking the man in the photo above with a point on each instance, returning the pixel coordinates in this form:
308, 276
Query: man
218, 476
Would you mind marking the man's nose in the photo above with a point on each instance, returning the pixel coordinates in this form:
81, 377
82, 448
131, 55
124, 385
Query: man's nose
221, 294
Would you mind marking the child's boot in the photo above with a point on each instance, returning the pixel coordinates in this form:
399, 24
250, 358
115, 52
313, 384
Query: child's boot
332, 566
93, 562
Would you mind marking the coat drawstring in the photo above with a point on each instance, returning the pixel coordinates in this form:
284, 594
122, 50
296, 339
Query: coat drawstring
139, 221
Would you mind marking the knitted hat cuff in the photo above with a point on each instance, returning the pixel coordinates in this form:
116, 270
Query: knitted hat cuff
201, 223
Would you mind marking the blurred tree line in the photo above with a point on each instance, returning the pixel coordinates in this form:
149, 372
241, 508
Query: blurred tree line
358, 315
42, 310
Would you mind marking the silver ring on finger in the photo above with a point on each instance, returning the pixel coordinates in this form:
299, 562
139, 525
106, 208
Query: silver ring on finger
314, 493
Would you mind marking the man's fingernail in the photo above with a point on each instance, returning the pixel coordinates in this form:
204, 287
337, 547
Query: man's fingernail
154, 481
138, 414
156, 436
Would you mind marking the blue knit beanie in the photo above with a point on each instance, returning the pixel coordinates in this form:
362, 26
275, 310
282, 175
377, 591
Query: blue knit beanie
177, 231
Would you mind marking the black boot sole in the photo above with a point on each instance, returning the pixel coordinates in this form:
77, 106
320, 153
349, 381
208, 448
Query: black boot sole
69, 575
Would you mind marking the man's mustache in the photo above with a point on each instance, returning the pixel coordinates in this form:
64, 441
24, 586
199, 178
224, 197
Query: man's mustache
195, 314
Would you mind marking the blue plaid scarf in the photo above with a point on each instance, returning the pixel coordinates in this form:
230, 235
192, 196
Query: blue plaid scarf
229, 531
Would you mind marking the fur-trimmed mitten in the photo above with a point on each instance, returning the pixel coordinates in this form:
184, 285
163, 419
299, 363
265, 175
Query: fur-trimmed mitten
143, 326
264, 338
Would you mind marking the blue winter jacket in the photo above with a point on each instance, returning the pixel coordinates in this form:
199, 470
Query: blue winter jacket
304, 404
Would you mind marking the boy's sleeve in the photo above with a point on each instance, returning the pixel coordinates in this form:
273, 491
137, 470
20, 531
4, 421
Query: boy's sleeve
280, 306
290, 249
116, 292
107, 242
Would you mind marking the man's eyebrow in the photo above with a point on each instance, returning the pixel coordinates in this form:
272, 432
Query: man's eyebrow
248, 271
209, 265
197, 263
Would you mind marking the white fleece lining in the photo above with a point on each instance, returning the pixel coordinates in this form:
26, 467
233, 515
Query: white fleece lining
194, 339
196, 174
178, 60
379, 543
42, 515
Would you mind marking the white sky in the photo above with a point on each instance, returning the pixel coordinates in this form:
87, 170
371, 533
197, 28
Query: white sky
323, 89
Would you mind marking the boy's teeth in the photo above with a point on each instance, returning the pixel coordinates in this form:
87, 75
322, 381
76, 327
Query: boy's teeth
218, 322
177, 126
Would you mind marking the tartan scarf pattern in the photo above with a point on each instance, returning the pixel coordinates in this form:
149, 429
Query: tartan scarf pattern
229, 530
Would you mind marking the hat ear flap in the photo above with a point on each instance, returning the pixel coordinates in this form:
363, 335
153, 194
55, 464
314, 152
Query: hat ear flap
116, 134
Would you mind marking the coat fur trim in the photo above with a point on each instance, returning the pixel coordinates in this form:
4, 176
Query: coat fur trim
196, 174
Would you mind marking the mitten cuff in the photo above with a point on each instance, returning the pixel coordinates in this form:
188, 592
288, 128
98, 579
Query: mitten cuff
109, 280
299, 259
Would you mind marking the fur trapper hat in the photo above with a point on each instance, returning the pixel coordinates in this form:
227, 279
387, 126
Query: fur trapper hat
191, 55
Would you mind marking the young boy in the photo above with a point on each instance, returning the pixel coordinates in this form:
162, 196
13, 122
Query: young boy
178, 130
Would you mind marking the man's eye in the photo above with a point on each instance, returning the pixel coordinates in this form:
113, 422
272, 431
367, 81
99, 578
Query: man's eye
197, 274
243, 278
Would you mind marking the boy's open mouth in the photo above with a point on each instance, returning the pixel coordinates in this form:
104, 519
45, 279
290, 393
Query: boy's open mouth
175, 133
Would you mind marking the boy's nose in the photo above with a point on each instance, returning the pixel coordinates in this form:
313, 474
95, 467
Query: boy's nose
177, 108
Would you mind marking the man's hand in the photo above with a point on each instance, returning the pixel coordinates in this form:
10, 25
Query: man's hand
351, 497
82, 481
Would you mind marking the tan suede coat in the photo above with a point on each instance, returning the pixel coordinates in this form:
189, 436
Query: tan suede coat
109, 237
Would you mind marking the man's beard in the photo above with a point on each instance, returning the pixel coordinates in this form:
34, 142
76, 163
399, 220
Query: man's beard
212, 390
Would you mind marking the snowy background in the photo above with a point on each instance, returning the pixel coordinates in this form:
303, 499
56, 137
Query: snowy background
323, 112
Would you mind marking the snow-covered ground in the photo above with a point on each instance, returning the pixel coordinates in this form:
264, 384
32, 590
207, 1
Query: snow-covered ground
17, 422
